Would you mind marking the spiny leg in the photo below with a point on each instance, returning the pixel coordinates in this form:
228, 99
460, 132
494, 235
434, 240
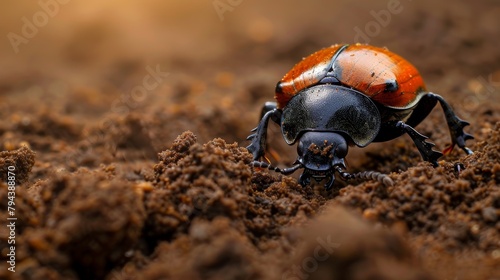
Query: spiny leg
259, 138
425, 148
455, 125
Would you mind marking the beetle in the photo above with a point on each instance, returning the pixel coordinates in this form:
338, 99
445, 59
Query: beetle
346, 95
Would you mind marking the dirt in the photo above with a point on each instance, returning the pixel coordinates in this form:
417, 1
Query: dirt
126, 127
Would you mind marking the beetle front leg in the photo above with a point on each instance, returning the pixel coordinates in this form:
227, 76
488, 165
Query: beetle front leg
270, 106
259, 138
285, 171
455, 125
425, 148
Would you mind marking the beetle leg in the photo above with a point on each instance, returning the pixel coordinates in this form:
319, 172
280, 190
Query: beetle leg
259, 137
455, 125
285, 171
425, 148
270, 106
290, 170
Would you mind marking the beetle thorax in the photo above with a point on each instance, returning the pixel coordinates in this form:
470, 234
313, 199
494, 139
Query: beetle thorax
331, 108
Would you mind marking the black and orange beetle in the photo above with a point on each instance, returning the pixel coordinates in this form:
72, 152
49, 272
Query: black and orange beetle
348, 95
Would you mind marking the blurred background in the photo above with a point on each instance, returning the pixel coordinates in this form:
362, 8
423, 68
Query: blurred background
83, 63
107, 85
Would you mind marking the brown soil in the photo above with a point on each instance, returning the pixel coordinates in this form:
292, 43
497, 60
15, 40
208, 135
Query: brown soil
116, 185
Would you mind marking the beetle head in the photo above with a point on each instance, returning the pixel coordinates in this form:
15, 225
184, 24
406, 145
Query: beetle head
319, 153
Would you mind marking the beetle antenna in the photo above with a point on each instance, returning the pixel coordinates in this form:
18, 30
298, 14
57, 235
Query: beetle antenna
374, 175
366, 175
285, 171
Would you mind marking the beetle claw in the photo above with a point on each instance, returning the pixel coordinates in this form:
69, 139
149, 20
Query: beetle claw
459, 139
461, 142
467, 150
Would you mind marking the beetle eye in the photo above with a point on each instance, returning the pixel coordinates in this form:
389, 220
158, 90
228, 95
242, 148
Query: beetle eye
279, 87
341, 150
300, 148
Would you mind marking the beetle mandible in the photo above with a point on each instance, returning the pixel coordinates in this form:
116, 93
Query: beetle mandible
347, 95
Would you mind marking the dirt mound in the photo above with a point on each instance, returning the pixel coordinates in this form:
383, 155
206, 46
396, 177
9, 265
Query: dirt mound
202, 213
